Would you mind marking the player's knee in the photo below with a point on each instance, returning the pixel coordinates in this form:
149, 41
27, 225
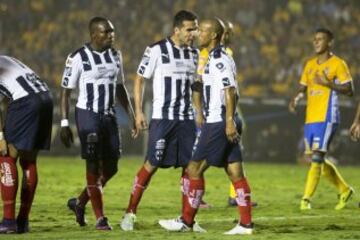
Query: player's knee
195, 169
92, 166
13, 152
317, 158
91, 146
109, 170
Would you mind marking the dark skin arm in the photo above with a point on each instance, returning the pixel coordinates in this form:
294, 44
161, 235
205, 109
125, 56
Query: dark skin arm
66, 134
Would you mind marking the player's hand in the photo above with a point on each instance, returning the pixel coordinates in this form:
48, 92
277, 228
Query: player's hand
199, 120
292, 106
321, 79
3, 147
231, 132
140, 121
134, 130
66, 136
355, 132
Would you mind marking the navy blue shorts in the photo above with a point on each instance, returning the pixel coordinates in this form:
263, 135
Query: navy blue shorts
214, 147
170, 142
28, 122
106, 130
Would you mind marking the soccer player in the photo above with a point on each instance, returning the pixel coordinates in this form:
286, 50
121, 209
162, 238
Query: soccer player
324, 77
94, 69
27, 130
171, 66
355, 127
218, 144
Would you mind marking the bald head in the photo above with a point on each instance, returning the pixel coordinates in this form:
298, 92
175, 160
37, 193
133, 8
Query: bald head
216, 26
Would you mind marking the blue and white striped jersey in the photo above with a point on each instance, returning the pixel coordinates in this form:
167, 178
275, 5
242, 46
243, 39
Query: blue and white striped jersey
219, 74
172, 70
17, 80
95, 74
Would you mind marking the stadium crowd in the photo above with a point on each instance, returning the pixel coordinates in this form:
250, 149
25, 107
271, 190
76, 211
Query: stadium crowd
270, 47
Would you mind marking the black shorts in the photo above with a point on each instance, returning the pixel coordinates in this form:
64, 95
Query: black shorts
214, 147
106, 130
170, 142
29, 122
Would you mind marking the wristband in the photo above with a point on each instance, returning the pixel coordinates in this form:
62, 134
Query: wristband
1, 136
64, 123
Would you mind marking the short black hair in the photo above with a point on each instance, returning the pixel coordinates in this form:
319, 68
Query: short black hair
326, 31
94, 21
183, 15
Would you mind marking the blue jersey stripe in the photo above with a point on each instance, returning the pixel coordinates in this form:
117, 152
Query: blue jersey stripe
85, 60
177, 99
111, 96
187, 99
107, 57
90, 96
96, 57
186, 54
167, 98
164, 52
176, 52
25, 85
101, 102
5, 92
207, 99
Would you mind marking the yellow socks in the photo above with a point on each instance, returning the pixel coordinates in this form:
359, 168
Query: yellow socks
332, 174
312, 180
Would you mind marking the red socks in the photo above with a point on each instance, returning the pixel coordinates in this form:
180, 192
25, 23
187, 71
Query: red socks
243, 200
142, 179
28, 187
185, 184
95, 193
9, 186
194, 196
84, 197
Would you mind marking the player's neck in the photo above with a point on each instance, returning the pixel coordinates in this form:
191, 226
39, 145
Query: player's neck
176, 41
323, 57
212, 46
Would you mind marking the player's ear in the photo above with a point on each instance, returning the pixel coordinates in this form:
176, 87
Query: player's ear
331, 43
213, 35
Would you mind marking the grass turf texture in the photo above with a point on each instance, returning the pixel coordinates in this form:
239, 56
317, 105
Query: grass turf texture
277, 189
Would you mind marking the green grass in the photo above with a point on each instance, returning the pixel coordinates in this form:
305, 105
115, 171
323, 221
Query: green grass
277, 189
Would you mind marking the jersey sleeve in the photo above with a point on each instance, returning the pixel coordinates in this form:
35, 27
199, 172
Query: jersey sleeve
304, 76
148, 62
224, 73
72, 71
342, 73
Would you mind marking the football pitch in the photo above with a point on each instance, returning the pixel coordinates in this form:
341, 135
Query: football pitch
276, 188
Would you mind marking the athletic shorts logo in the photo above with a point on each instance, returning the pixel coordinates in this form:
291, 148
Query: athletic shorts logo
159, 149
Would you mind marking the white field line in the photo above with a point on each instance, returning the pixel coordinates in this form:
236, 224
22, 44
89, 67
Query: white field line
283, 218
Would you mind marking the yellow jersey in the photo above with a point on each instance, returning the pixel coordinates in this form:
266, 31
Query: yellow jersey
322, 102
